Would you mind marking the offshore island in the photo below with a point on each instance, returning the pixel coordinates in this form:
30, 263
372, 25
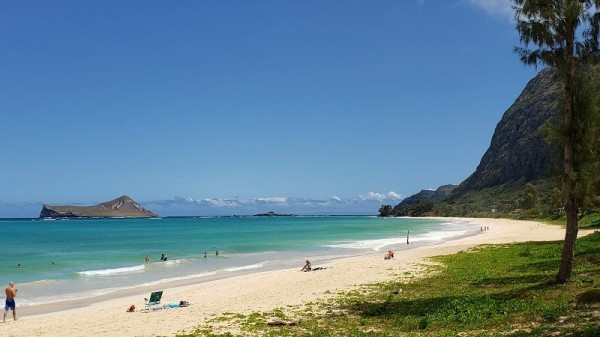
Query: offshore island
122, 207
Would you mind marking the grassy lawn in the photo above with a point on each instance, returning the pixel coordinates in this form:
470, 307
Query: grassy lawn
496, 290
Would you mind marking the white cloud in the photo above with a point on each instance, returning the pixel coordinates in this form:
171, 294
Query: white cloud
273, 200
374, 196
221, 202
394, 195
364, 204
497, 8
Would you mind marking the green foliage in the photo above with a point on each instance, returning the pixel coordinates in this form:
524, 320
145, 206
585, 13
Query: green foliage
385, 210
515, 199
498, 290
590, 220
423, 207
565, 35
587, 122
530, 198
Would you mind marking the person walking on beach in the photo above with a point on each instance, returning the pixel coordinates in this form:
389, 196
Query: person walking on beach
11, 293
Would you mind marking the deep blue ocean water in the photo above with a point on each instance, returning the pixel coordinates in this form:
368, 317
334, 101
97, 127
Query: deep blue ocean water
80, 258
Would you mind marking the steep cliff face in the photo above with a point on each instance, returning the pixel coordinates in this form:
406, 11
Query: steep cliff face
518, 150
121, 207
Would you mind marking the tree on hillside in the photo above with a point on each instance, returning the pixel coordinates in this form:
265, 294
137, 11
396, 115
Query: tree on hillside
530, 197
563, 34
385, 210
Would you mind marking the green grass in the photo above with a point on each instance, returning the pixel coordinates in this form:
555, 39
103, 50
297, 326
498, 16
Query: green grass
590, 221
496, 290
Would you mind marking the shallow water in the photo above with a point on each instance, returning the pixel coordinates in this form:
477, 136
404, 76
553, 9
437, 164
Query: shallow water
82, 258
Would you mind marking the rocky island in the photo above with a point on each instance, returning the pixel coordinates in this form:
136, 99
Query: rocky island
273, 214
122, 207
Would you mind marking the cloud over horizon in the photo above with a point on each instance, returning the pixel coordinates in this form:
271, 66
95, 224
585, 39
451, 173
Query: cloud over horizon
364, 204
367, 203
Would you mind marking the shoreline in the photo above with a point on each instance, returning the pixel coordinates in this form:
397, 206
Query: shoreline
95, 283
255, 291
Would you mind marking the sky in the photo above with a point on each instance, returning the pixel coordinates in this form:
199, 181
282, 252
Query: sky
236, 107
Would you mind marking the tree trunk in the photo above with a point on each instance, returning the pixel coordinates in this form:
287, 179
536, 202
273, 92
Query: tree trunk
569, 174
568, 253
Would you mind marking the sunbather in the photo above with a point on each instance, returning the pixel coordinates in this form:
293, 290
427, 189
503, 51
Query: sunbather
389, 255
307, 266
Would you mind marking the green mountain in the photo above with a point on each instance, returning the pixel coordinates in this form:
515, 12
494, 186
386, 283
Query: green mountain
518, 151
517, 173
517, 156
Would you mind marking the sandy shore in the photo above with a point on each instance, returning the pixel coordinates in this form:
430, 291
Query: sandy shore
259, 291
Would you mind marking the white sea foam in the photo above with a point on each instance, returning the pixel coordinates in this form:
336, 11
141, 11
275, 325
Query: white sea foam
379, 244
68, 297
108, 272
250, 266
172, 262
40, 283
375, 245
180, 278
99, 292
437, 236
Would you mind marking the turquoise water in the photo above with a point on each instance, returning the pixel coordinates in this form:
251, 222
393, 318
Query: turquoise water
82, 258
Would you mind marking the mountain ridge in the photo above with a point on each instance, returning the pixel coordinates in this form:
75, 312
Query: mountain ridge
518, 150
518, 155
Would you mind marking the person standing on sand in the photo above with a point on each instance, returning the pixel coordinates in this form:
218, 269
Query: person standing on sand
11, 293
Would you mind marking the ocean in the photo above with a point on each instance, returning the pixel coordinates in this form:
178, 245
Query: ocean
73, 259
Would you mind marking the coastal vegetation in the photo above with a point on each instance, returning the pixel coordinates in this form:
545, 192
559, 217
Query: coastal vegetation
544, 157
553, 28
493, 290
519, 175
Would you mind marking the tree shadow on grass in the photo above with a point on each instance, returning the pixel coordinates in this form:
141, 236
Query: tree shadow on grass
472, 310
489, 282
466, 306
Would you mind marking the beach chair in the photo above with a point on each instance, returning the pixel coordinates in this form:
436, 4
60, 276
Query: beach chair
154, 300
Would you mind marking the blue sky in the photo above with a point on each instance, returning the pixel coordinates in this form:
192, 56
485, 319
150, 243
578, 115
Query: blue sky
237, 107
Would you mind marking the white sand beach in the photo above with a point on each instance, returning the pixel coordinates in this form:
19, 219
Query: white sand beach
259, 291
